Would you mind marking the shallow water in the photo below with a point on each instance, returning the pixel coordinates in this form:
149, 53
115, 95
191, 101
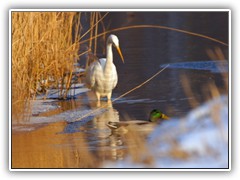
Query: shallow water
89, 142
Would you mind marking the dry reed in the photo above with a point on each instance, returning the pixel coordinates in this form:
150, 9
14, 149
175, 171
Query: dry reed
210, 90
43, 50
159, 27
45, 46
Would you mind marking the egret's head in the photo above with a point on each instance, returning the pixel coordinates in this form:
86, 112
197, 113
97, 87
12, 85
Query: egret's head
157, 115
113, 39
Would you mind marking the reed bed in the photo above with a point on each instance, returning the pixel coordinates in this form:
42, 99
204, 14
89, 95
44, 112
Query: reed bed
43, 51
45, 46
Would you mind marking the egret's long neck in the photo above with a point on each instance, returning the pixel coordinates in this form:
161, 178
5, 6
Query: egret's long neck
109, 58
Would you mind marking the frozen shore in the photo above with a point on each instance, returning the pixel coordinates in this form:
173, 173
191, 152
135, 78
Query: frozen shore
199, 140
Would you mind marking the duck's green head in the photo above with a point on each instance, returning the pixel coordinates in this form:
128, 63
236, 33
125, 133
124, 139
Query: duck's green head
157, 115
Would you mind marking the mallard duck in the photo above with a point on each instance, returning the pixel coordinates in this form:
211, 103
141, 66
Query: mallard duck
155, 117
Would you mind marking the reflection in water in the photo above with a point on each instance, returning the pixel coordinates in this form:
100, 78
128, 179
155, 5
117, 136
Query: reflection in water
103, 142
47, 148
72, 145
99, 122
116, 143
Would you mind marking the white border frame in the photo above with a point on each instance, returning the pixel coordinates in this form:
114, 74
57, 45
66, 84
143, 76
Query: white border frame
121, 10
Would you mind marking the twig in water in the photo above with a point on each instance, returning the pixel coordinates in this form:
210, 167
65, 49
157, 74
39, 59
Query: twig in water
141, 84
88, 114
158, 27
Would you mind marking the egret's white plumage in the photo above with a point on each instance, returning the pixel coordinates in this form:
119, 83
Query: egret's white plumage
101, 76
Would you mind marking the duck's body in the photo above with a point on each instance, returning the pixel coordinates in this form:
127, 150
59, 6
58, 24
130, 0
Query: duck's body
155, 118
124, 126
101, 76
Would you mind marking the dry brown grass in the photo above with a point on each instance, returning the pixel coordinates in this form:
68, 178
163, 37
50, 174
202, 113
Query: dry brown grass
43, 49
45, 46
210, 90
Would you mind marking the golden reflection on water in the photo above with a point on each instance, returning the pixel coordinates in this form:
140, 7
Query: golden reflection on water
49, 146
73, 145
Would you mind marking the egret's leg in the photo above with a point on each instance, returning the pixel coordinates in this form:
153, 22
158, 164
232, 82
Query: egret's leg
98, 104
98, 96
109, 95
98, 99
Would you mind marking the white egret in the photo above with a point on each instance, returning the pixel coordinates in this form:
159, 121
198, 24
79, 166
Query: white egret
101, 76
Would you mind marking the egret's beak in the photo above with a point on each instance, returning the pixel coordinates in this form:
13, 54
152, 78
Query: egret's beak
120, 53
165, 116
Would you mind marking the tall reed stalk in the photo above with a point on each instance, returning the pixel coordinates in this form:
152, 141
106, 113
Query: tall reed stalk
44, 49
45, 46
